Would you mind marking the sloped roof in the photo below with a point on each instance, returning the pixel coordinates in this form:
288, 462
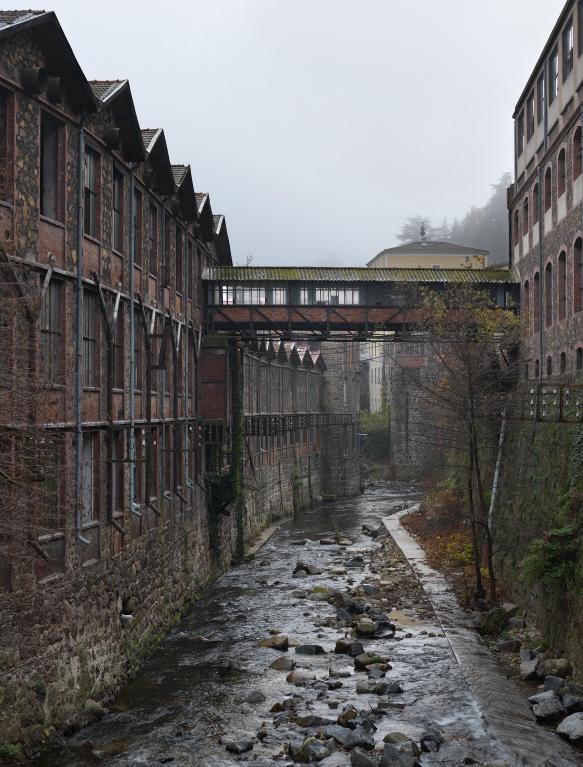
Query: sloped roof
103, 89
147, 136
179, 172
360, 274
201, 198
429, 248
60, 56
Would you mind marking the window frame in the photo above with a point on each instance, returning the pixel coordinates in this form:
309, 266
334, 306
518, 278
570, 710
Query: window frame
51, 337
92, 193
117, 210
54, 211
90, 330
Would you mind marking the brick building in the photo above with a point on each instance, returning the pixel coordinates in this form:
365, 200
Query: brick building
545, 203
118, 416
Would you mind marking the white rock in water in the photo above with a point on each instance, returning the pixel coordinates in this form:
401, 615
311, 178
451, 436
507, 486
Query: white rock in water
572, 728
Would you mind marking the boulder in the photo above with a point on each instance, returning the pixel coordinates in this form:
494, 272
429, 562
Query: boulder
528, 669
310, 649
560, 667
375, 673
571, 728
347, 714
335, 673
431, 739
360, 758
493, 621
284, 663
277, 642
366, 659
373, 687
392, 757
541, 697
572, 703
327, 542
554, 683
348, 738
238, 742
343, 615
300, 574
311, 720
348, 647
334, 684
366, 627
312, 750
370, 589
300, 678
548, 710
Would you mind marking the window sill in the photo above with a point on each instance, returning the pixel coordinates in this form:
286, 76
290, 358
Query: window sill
91, 388
54, 387
90, 525
52, 221
91, 238
118, 389
119, 253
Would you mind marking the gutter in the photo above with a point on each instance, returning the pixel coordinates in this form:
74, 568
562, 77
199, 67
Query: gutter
79, 333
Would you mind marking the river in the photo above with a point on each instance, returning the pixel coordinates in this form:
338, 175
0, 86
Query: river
210, 677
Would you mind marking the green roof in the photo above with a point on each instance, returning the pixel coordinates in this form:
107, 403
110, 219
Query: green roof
349, 274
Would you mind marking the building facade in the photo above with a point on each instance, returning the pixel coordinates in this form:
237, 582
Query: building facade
430, 255
134, 462
545, 204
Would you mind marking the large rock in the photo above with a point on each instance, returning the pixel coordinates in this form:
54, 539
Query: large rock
284, 663
572, 703
311, 720
371, 686
300, 678
548, 710
493, 621
572, 728
360, 758
554, 667
366, 627
554, 683
528, 669
276, 642
348, 738
238, 742
349, 647
540, 697
431, 739
392, 757
310, 649
313, 750
367, 659
347, 714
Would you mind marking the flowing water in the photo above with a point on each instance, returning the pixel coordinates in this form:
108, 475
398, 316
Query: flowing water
210, 677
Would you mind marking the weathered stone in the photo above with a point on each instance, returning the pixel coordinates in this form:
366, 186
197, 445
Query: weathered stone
238, 742
300, 678
276, 642
572, 728
311, 720
548, 710
392, 757
284, 663
350, 738
370, 589
431, 739
560, 667
347, 714
310, 649
360, 758
349, 647
312, 750
365, 626
327, 542
541, 697
366, 659
528, 669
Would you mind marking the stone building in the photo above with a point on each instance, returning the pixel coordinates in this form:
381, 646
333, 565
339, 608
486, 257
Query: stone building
545, 203
130, 473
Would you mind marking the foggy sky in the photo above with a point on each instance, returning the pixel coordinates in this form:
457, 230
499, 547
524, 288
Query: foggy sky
317, 126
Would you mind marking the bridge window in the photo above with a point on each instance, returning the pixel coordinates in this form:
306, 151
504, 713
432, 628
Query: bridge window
278, 295
337, 295
250, 294
224, 294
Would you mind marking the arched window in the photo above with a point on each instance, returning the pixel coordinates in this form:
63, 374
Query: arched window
548, 295
578, 275
577, 153
525, 219
563, 362
526, 303
536, 369
579, 358
516, 228
548, 192
561, 173
536, 301
549, 366
535, 203
562, 286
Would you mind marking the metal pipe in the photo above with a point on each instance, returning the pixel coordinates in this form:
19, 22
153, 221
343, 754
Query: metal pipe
132, 436
79, 332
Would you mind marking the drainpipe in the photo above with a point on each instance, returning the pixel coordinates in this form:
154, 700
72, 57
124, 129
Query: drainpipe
540, 273
132, 439
79, 332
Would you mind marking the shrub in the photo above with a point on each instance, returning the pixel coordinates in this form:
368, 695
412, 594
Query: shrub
553, 559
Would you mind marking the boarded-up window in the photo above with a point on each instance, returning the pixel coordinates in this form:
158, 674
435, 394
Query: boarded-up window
153, 241
117, 211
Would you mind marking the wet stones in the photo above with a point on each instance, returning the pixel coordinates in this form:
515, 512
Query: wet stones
310, 720
349, 647
548, 710
310, 649
348, 714
393, 757
312, 750
276, 642
327, 542
307, 568
374, 687
285, 663
238, 742
300, 678
348, 738
360, 758
571, 728
368, 659
560, 667
366, 627
431, 739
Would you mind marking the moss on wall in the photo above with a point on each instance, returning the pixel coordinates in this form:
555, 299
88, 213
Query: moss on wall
540, 495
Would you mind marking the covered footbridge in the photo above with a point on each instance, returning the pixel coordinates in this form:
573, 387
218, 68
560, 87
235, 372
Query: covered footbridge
332, 301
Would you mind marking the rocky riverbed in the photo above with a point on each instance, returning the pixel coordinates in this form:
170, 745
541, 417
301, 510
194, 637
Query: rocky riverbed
323, 649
